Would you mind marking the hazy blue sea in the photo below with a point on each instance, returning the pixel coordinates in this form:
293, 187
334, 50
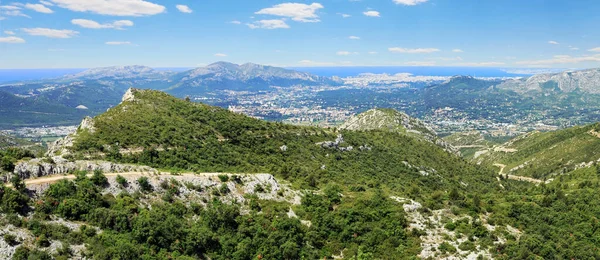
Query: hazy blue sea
8, 75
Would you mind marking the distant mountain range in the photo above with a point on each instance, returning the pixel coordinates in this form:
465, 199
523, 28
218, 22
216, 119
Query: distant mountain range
97, 89
585, 81
573, 96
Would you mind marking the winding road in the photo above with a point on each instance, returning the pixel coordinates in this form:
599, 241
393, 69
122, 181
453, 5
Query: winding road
515, 177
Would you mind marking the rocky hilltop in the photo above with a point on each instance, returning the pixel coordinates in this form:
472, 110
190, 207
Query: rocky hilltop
395, 121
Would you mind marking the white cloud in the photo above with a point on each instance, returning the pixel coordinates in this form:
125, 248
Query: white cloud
409, 2
50, 33
9, 32
561, 59
112, 7
420, 63
344, 15
373, 52
413, 51
597, 49
11, 39
573, 48
457, 50
457, 58
11, 10
479, 64
235, 22
346, 53
372, 13
220, 55
184, 9
553, 42
46, 3
297, 11
118, 43
10, 7
40, 8
119, 25
269, 24
354, 38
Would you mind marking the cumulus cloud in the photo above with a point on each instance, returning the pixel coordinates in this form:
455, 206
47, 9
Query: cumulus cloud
372, 13
50, 33
11, 39
553, 42
118, 43
220, 55
560, 59
296, 11
235, 22
46, 3
90, 24
413, 51
269, 24
457, 50
344, 15
40, 8
112, 7
184, 9
354, 38
409, 2
9, 32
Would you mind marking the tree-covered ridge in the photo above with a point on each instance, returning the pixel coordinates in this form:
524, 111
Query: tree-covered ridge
173, 133
547, 155
354, 182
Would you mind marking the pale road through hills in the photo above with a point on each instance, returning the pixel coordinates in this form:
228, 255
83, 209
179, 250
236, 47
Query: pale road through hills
515, 177
56, 178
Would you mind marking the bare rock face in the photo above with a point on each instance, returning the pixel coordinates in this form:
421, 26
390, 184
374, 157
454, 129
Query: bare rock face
129, 95
61, 146
36, 168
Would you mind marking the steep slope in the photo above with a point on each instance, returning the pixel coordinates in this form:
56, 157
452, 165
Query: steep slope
394, 121
249, 76
547, 155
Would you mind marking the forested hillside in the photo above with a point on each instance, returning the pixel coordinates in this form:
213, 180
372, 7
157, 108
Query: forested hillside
363, 195
548, 155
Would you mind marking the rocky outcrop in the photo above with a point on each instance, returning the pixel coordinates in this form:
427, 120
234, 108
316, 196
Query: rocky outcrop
395, 121
129, 95
336, 144
36, 168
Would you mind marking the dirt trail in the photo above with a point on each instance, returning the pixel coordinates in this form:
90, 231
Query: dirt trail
55, 178
515, 177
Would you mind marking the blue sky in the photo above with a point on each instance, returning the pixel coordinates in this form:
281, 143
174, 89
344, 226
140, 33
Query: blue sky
190, 33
